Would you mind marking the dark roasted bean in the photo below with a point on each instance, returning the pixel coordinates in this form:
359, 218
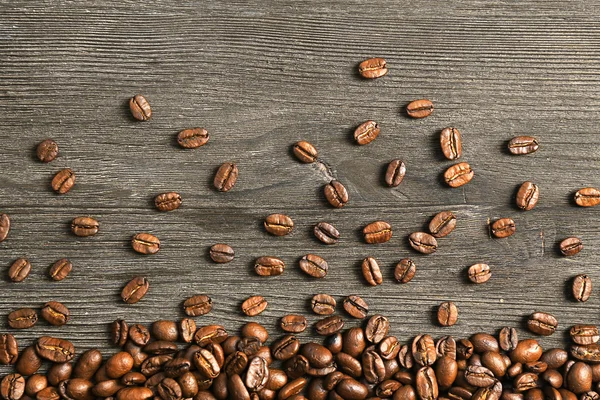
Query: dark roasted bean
55, 313
193, 138
23, 318
527, 350
377, 232
226, 177
88, 364
423, 350
257, 374
582, 287
329, 325
479, 273
269, 266
589, 353
285, 348
446, 347
253, 329
47, 150
19, 270
140, 108
571, 246
305, 152
523, 145
323, 304
12, 387
584, 334
314, 265
419, 109
394, 175
371, 271
542, 323
336, 194
426, 384
221, 253
135, 290
293, 323
442, 224
366, 132
447, 314
167, 201
508, 338
326, 233
479, 376
9, 349
377, 328
422, 242
28, 362
458, 175
527, 196
165, 330
254, 305
405, 270
278, 224
54, 349
356, 306
63, 181
84, 226
197, 305
60, 269
451, 143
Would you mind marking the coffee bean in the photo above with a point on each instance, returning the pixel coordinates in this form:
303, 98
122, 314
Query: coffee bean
221, 253
169, 389
165, 330
479, 273
329, 325
371, 271
447, 314
145, 243
9, 349
377, 328
254, 305
326, 233
389, 348
134, 393
63, 181
186, 328
54, 349
285, 348
377, 232
47, 150
12, 387
405, 270
508, 338
582, 288
206, 363
119, 332
373, 366
59, 373
305, 152
479, 376
394, 175
423, 350
587, 197
323, 304
161, 347
442, 224
542, 323
226, 177
356, 306
60, 269
314, 266
503, 227
135, 290
23, 318
193, 138
578, 378
373, 68
588, 353
278, 224
527, 196
571, 246
419, 108
269, 266
451, 142
4, 226
84, 226
197, 305
422, 242
140, 108
426, 384
167, 201
28, 362
584, 334
336, 194
293, 323
446, 347
458, 175
19, 270
257, 374
55, 313
366, 132
523, 145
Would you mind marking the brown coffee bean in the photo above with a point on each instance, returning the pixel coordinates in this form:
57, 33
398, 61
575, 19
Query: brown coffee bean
426, 384
19, 270
336, 194
257, 374
269, 266
254, 305
377, 328
140, 108
479, 376
193, 138
479, 273
366, 132
323, 304
377, 232
285, 348
582, 287
371, 271
9, 349
571, 246
326, 233
293, 323
60, 269
23, 318
447, 314
314, 266
278, 224
442, 224
28, 362
587, 197
523, 145
422, 242
134, 393
139, 334
197, 305
135, 290
589, 353
55, 313
528, 350
578, 378
458, 175
542, 323
329, 325
446, 347
503, 227
54, 349
483, 342
221, 253
120, 332
423, 350
226, 177
394, 175
165, 330
35, 383
63, 181
419, 108
84, 226
508, 338
373, 68
584, 334
305, 152
167, 201
145, 243
356, 306
4, 226
451, 142
527, 196
405, 270
12, 387
47, 150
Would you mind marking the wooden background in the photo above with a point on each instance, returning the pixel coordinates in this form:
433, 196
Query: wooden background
260, 76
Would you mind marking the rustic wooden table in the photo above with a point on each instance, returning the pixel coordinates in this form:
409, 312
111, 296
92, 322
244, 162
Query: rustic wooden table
260, 76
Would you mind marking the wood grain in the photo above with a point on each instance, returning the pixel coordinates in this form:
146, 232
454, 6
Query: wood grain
260, 76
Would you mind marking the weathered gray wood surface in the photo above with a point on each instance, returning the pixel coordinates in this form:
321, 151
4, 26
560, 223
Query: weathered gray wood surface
259, 76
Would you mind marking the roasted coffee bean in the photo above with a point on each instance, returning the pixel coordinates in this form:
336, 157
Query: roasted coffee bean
314, 266
84, 226
254, 329
187, 328
493, 392
571, 246
9, 349
119, 364
442, 224
446, 347
347, 365
293, 323
447, 314
406, 361
257, 374
47, 150
334, 342
55, 313
479, 376
508, 338
145, 243
422, 242
135, 290
305, 152
134, 393
483, 342
269, 266
206, 364
458, 175
285, 348
405, 270
4, 226
63, 181
479, 273
525, 381
336, 194
373, 367
35, 384
377, 328
578, 378
419, 108
394, 175
373, 68
107, 388
28, 362
582, 287
523, 145
167, 201
160, 347
140, 108
169, 389
133, 378
60, 269
426, 384
88, 364
23, 318
193, 138
235, 363
329, 325
355, 306
221, 253
226, 177
451, 142
386, 389
354, 342
296, 366
366, 132
584, 334
165, 330
464, 349
527, 196
446, 371
528, 350
371, 271
254, 305
278, 224
587, 197
19, 270
197, 305
139, 334
542, 323
54, 349
48, 393
326, 233
12, 387
423, 350
323, 304
555, 358
589, 353
377, 232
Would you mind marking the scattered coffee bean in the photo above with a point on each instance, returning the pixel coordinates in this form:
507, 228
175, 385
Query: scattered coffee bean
197, 305
377, 232
523, 145
571, 246
12, 387
587, 197
19, 270
9, 349
422, 242
84, 226
394, 175
226, 177
588, 353
167, 201
419, 108
221, 253
119, 332
47, 150
479, 273
55, 313
584, 334
254, 305
508, 338
323, 304
527, 196
423, 349
366, 132
140, 108
4, 226
329, 325
542, 323
356, 307
145, 243
54, 349
336, 194
23, 318
278, 224
135, 290
60, 269
442, 224
313, 265
63, 181
373, 68
458, 175
377, 328
138, 334
447, 314
451, 142
293, 323
269, 266
582, 288
405, 270
326, 233
187, 328
371, 271
305, 152
503, 227
193, 138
